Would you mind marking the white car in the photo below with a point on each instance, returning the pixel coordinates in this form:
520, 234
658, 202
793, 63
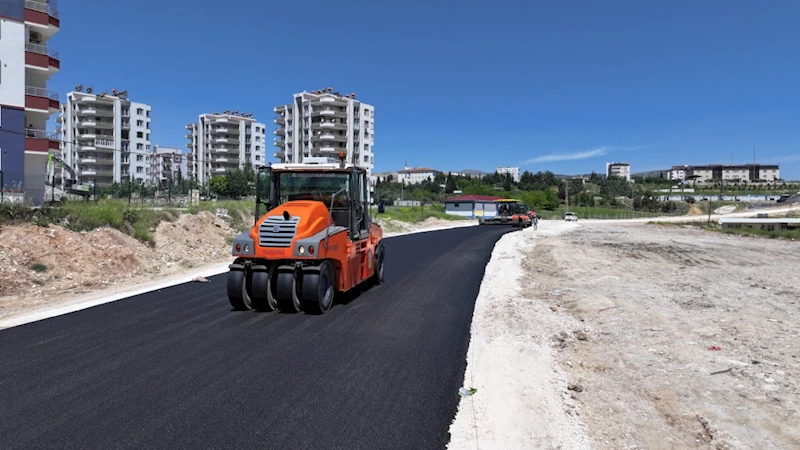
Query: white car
571, 217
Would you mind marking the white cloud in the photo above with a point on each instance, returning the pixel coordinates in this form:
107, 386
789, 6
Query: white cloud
568, 156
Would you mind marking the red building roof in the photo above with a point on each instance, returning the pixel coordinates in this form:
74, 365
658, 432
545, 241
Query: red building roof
474, 198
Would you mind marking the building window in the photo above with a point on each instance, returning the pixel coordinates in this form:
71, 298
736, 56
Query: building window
139, 158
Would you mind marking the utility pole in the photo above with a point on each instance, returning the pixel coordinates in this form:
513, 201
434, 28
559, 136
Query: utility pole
566, 194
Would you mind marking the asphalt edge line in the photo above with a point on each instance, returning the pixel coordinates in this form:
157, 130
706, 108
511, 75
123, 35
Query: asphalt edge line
208, 270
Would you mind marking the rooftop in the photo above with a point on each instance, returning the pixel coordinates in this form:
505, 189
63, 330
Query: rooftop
417, 170
474, 198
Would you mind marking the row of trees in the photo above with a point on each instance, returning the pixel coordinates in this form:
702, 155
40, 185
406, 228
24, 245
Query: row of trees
541, 190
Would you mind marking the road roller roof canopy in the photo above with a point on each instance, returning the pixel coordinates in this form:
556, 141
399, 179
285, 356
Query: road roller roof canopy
315, 167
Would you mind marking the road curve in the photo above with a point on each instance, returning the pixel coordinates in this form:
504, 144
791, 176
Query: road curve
178, 369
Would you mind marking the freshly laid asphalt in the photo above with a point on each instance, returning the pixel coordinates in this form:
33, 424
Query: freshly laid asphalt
177, 368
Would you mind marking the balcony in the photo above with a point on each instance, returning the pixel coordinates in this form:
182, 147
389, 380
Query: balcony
219, 130
331, 112
104, 143
41, 57
41, 98
41, 140
280, 143
96, 173
42, 14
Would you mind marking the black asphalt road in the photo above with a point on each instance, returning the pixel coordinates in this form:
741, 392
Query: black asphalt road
179, 369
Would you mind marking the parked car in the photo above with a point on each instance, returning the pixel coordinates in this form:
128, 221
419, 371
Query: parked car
570, 217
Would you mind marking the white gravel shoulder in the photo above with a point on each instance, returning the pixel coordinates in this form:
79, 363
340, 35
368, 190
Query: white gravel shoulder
522, 399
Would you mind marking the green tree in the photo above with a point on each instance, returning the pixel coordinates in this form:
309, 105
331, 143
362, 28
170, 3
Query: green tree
218, 184
450, 184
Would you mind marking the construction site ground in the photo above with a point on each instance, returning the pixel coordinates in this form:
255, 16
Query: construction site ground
618, 335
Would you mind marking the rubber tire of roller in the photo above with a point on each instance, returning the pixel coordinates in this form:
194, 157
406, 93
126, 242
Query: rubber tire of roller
261, 288
286, 293
238, 296
380, 260
318, 289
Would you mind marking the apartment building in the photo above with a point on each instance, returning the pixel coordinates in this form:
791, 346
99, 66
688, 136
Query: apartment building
168, 166
323, 123
619, 170
27, 61
105, 137
716, 172
513, 171
224, 142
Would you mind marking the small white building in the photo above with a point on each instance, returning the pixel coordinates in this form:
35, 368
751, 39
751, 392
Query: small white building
619, 170
513, 171
415, 175
472, 206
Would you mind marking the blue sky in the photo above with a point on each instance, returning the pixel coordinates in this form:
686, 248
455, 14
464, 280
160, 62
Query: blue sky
561, 86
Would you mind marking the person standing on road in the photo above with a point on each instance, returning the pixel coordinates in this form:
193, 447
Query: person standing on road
535, 222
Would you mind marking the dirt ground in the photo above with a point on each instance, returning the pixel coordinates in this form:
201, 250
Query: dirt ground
688, 339
48, 267
40, 266
654, 336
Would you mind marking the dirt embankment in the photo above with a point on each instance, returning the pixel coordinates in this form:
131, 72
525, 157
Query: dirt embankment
688, 339
38, 265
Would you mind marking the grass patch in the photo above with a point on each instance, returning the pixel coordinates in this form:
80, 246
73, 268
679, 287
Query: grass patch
415, 214
715, 227
139, 222
241, 212
783, 234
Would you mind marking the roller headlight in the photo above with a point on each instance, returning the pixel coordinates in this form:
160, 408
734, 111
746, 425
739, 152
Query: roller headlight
301, 250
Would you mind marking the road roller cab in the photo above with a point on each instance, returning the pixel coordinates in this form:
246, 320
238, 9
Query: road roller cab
313, 236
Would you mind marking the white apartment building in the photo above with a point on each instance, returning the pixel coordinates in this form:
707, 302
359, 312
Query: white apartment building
325, 123
27, 61
224, 142
415, 175
105, 136
619, 170
513, 171
742, 172
168, 166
